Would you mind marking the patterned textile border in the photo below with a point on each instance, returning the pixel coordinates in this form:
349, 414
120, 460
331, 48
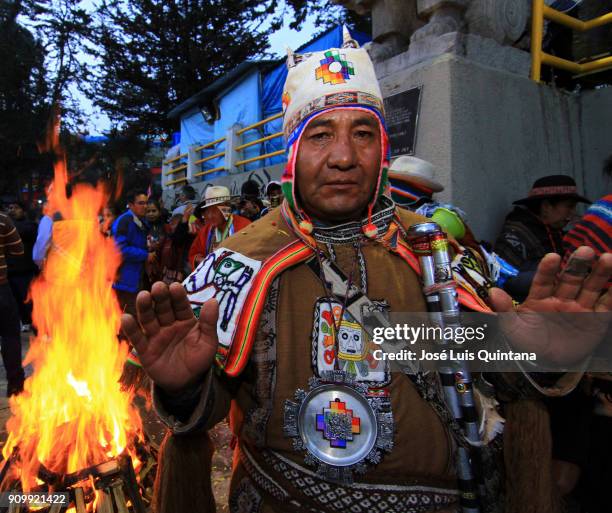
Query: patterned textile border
332, 498
332, 100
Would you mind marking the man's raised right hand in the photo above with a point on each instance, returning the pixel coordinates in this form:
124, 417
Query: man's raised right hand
174, 347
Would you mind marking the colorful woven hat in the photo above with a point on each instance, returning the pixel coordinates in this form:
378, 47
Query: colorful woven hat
319, 82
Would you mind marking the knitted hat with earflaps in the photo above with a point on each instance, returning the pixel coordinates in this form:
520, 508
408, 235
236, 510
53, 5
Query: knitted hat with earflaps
317, 83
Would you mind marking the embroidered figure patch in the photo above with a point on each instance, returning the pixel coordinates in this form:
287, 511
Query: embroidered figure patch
226, 276
338, 424
354, 346
334, 69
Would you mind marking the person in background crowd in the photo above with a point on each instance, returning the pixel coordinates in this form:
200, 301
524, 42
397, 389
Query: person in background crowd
130, 233
187, 196
534, 228
158, 230
594, 229
182, 230
274, 194
109, 214
22, 269
531, 230
165, 213
250, 205
43, 237
10, 245
220, 223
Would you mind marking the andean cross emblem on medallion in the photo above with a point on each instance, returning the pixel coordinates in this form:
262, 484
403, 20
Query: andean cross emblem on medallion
338, 424
334, 69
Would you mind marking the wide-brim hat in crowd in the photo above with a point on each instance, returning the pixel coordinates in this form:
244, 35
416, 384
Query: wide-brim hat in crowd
414, 171
553, 186
317, 83
214, 195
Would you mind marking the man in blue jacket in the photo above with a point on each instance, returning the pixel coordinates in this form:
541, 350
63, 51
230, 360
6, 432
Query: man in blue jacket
130, 233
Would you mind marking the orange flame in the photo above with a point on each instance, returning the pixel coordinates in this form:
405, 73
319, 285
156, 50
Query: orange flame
73, 414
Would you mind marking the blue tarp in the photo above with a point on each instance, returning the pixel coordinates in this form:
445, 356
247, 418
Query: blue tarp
194, 130
252, 98
274, 81
239, 105
242, 105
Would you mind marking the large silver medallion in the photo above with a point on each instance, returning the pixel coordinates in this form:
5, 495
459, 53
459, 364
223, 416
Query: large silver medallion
339, 425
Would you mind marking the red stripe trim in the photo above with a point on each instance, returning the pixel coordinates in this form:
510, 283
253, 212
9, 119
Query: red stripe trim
405, 194
553, 189
598, 222
408, 256
590, 237
466, 299
247, 325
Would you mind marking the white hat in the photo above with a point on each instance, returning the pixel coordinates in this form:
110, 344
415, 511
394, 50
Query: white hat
412, 170
321, 80
215, 195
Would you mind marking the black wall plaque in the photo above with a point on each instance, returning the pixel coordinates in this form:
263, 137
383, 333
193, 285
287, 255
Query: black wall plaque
402, 114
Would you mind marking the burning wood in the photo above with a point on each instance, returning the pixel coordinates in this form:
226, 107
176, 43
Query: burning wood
74, 429
108, 487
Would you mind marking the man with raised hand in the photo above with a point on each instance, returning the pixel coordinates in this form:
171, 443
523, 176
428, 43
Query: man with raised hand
269, 333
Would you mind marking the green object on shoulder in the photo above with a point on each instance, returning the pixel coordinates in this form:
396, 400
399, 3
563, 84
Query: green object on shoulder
450, 222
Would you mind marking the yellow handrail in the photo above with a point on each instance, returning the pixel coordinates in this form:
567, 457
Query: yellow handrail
259, 123
177, 169
540, 11
174, 159
208, 145
571, 22
260, 157
178, 180
206, 159
263, 139
208, 171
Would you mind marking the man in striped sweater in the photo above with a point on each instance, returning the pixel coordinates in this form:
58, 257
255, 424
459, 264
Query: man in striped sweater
10, 244
595, 227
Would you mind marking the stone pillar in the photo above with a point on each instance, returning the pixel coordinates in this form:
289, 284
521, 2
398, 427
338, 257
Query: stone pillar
393, 22
443, 17
504, 21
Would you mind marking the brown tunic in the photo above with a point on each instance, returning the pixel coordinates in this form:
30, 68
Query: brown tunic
281, 363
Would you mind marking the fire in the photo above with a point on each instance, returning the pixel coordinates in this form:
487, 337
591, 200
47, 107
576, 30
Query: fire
73, 413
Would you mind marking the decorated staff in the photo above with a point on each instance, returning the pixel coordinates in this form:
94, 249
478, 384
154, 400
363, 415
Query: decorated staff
430, 245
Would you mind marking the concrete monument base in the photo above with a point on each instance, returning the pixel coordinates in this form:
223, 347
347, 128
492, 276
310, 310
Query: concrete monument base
491, 131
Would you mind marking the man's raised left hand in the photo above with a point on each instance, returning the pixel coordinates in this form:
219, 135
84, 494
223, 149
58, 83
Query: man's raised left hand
565, 338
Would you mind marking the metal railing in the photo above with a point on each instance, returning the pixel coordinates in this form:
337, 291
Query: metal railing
170, 167
198, 162
244, 162
192, 162
542, 11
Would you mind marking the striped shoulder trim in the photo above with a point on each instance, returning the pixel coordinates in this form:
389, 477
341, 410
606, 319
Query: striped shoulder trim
248, 322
